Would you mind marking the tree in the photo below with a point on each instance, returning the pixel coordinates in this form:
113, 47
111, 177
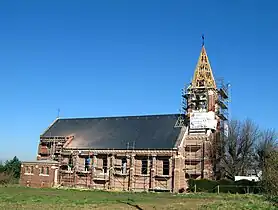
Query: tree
10, 171
215, 153
270, 173
13, 167
239, 148
2, 167
264, 147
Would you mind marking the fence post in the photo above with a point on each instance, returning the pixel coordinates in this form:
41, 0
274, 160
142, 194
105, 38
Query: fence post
218, 189
195, 188
247, 189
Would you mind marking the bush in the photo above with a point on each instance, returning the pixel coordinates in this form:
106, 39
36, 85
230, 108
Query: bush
225, 186
5, 178
202, 185
270, 174
10, 171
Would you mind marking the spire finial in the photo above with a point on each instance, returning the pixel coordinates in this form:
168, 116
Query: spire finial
203, 39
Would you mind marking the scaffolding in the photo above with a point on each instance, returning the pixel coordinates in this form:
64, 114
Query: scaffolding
83, 168
50, 147
125, 171
223, 99
202, 100
182, 119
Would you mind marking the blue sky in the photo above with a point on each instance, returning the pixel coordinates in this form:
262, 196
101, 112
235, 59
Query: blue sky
108, 58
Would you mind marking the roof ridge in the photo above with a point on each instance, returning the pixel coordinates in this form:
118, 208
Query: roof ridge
119, 116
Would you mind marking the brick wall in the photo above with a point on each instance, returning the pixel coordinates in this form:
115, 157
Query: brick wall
114, 179
38, 174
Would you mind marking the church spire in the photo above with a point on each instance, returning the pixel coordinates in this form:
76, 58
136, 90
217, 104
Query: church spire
203, 76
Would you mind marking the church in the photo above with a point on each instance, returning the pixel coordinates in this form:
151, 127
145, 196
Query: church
137, 153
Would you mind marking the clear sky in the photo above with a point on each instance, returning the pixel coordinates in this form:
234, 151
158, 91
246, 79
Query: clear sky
108, 58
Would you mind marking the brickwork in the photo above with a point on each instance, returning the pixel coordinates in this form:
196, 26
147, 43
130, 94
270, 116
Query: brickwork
139, 171
38, 174
135, 172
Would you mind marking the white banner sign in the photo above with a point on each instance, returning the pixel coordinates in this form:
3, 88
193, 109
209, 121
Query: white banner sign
201, 120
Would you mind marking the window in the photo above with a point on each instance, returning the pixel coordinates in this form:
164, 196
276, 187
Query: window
166, 167
124, 162
104, 166
47, 170
144, 169
32, 169
87, 164
42, 170
27, 170
70, 162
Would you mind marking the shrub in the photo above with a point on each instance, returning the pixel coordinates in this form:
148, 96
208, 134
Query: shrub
225, 186
202, 185
5, 178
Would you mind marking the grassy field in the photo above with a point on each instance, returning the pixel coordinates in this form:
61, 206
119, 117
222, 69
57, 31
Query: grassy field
14, 197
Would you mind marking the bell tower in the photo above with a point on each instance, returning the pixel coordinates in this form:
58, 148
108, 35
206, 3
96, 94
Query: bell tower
201, 96
205, 110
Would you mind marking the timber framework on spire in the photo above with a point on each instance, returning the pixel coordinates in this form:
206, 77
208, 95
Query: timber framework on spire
203, 76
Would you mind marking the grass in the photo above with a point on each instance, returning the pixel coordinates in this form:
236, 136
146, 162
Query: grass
14, 197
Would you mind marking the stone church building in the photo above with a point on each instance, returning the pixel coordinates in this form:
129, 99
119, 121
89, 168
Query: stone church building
136, 153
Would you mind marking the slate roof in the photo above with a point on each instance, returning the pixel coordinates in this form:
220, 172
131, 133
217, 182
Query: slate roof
144, 132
